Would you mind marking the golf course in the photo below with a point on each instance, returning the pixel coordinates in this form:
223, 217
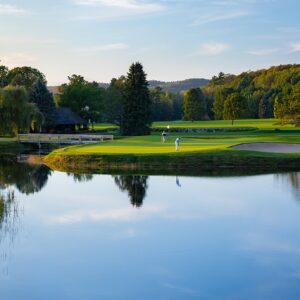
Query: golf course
219, 147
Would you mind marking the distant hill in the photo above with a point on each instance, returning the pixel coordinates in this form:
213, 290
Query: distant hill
179, 86
172, 86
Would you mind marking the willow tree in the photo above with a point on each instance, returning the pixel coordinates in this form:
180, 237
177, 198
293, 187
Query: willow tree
16, 113
136, 113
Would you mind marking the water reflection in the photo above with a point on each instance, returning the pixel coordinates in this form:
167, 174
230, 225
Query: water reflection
135, 186
291, 181
9, 226
8, 212
81, 177
178, 182
28, 179
238, 233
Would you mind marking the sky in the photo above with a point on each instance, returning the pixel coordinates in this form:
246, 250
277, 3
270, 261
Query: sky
173, 39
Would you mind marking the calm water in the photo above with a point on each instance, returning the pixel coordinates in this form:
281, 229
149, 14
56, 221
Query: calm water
132, 237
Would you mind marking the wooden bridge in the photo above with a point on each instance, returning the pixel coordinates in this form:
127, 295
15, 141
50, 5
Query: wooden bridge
62, 139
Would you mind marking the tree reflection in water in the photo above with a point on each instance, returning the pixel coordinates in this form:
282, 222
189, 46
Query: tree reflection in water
135, 186
28, 179
9, 226
292, 181
81, 177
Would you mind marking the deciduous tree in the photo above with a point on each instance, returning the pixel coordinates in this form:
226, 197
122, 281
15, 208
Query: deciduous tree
194, 105
83, 97
233, 107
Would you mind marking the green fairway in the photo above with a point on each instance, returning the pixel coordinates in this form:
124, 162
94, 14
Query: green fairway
257, 123
263, 124
153, 144
105, 126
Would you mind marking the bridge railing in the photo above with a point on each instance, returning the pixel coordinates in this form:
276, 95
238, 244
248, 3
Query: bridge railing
35, 137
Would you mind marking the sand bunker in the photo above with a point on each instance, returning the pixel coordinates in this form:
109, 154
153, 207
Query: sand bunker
270, 147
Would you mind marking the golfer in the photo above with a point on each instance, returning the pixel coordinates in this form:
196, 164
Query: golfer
177, 141
163, 136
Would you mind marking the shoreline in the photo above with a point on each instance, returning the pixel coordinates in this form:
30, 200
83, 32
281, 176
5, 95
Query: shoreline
218, 162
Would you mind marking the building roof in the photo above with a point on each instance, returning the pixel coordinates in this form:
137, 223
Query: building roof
65, 116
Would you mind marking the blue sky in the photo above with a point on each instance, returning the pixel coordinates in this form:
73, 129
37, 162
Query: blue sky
174, 39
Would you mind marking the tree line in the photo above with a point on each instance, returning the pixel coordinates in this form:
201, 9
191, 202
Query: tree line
128, 101
274, 92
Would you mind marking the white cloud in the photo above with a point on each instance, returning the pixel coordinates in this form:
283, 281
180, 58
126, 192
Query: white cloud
116, 215
263, 52
7, 9
101, 48
212, 49
295, 47
131, 5
219, 17
223, 10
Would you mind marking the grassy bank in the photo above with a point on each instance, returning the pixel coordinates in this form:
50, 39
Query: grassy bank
199, 152
193, 163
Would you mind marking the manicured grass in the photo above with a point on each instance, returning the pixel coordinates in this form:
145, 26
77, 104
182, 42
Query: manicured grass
205, 151
105, 126
200, 153
189, 143
263, 124
257, 123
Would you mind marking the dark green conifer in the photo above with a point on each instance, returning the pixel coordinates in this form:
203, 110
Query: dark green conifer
136, 114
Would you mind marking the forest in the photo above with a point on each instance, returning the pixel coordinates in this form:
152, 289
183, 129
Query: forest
268, 93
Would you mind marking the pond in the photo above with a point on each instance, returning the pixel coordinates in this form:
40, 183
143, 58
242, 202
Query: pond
65, 236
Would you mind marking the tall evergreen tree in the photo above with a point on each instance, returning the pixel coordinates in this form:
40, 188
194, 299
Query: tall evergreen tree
136, 115
41, 96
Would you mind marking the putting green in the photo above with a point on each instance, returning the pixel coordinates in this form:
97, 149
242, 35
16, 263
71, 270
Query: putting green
146, 145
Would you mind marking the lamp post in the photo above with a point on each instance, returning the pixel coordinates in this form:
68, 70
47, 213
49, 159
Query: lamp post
85, 110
